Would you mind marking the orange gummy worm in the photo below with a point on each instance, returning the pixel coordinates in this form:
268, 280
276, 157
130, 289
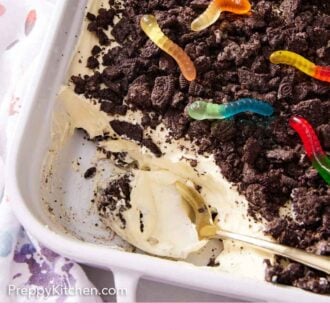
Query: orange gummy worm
215, 8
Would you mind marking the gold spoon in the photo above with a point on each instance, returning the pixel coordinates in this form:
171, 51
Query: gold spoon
207, 229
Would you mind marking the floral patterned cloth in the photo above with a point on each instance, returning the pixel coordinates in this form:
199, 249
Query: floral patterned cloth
28, 271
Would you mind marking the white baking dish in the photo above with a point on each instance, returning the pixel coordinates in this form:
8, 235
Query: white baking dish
25, 165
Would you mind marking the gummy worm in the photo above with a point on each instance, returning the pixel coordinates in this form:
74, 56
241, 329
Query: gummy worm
201, 110
302, 64
151, 28
312, 146
215, 8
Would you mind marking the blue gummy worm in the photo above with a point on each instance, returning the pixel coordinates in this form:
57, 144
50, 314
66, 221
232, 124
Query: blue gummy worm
247, 104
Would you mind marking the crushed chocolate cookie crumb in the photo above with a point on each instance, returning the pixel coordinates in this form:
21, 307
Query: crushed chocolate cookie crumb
141, 222
131, 131
90, 173
299, 276
162, 92
213, 263
115, 198
152, 146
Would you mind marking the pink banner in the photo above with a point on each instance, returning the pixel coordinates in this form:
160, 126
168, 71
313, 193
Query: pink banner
166, 316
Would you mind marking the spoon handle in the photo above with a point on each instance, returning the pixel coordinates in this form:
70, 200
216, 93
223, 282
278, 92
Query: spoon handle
308, 259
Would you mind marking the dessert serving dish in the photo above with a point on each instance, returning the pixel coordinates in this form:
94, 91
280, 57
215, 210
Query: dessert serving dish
52, 199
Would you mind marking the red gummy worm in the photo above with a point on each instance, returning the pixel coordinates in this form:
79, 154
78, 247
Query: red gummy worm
308, 136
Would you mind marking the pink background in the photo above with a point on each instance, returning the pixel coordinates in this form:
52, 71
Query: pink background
166, 316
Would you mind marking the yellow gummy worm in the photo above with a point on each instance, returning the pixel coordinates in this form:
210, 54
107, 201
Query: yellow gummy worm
151, 28
301, 63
